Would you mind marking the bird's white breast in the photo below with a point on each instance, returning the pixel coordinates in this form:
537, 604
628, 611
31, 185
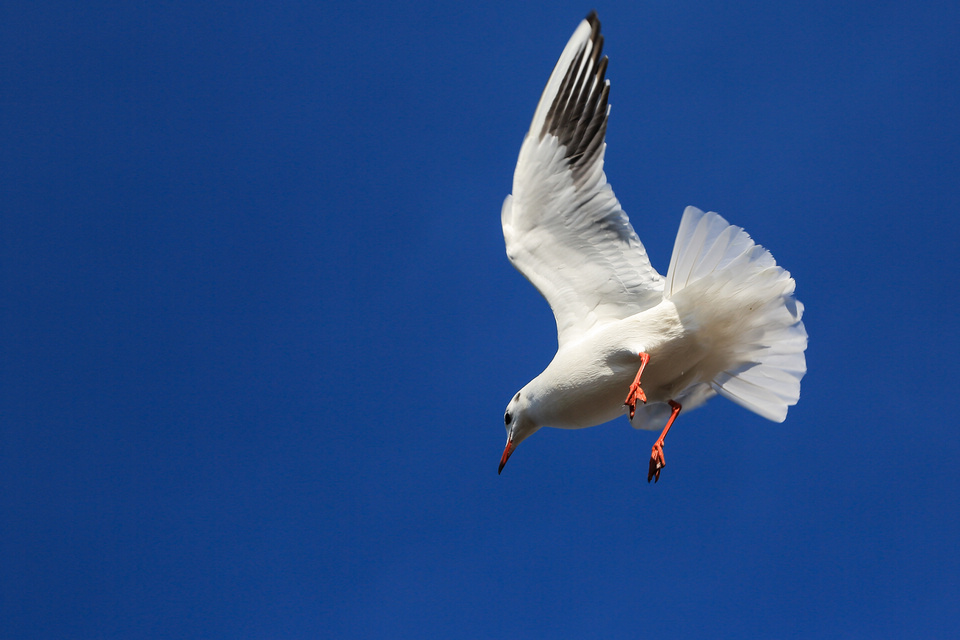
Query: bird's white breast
587, 381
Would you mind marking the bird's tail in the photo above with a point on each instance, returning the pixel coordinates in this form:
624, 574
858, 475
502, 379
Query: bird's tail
741, 303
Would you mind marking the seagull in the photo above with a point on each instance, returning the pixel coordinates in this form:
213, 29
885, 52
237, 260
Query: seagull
724, 321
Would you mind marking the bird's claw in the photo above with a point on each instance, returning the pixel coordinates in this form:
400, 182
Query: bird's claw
635, 393
657, 462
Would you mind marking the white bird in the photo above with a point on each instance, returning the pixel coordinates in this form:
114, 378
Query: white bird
723, 321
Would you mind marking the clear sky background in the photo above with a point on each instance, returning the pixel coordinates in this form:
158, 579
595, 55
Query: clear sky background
258, 328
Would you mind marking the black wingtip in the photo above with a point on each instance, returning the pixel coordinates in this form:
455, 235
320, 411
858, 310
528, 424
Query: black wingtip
578, 114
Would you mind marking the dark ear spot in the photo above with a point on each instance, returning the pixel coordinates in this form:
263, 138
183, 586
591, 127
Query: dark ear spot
507, 418
516, 397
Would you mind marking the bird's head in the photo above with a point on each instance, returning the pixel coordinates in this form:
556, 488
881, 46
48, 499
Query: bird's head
519, 424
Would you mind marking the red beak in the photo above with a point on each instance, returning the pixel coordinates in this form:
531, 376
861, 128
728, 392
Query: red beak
507, 450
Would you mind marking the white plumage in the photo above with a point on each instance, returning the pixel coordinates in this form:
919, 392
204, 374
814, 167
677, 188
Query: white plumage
723, 321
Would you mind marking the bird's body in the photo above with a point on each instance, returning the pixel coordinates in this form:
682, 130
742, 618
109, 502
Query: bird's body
585, 383
722, 321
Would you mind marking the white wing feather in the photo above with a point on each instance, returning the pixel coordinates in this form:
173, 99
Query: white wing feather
563, 227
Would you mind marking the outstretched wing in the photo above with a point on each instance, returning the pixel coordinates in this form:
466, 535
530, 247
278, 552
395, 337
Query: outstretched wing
564, 229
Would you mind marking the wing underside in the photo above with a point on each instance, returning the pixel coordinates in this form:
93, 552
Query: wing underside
563, 226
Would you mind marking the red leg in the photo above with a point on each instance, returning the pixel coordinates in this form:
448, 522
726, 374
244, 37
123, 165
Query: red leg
635, 391
657, 461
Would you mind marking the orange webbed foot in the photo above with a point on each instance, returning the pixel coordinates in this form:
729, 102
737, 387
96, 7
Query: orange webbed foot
657, 462
636, 393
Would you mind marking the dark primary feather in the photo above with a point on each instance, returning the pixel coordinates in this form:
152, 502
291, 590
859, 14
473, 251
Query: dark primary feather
578, 115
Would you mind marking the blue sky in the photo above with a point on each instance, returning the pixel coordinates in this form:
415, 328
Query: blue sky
258, 329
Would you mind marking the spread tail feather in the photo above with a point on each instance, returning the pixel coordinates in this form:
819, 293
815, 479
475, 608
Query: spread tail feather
731, 287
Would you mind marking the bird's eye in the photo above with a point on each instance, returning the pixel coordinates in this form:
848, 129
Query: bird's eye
507, 418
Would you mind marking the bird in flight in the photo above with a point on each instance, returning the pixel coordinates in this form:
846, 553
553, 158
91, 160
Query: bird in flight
724, 320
